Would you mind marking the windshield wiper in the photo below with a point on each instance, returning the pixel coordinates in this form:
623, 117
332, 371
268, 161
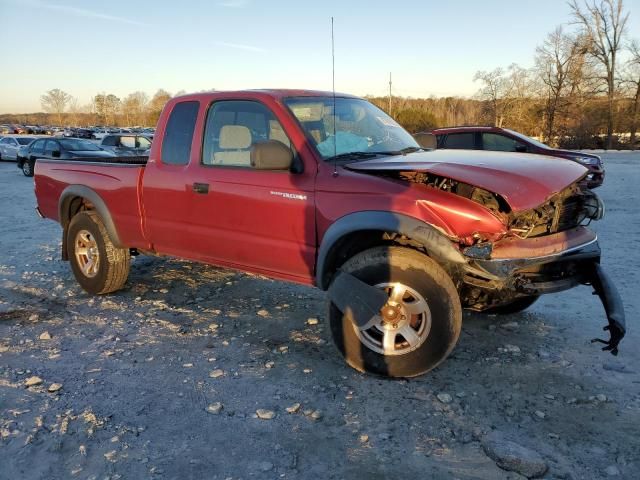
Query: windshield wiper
354, 155
402, 151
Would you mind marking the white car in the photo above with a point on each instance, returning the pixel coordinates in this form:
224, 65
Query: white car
9, 146
100, 133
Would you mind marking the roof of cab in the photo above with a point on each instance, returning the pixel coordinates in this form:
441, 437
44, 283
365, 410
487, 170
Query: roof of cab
278, 94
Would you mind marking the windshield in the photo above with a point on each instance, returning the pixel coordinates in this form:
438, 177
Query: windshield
359, 126
527, 139
73, 144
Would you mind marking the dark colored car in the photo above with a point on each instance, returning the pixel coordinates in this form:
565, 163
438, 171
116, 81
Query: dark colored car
504, 140
127, 144
58, 149
83, 133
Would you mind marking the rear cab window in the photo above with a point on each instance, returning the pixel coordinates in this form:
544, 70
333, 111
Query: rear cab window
178, 135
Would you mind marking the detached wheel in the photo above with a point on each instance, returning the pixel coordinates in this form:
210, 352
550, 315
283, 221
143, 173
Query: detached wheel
516, 306
418, 326
99, 267
28, 167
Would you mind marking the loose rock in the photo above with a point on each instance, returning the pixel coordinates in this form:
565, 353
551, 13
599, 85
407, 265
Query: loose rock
45, 336
444, 397
32, 381
217, 373
265, 414
293, 408
510, 456
312, 321
54, 387
262, 313
215, 408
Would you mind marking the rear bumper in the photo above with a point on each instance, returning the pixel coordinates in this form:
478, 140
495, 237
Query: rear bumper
538, 265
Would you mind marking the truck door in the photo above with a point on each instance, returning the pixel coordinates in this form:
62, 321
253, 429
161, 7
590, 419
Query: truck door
166, 187
252, 219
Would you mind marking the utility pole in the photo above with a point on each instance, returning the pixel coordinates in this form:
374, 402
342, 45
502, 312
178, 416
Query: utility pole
389, 93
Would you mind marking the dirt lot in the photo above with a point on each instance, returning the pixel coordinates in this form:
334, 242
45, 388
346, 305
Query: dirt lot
140, 373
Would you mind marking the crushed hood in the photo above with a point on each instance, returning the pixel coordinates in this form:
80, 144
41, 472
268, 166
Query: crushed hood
525, 181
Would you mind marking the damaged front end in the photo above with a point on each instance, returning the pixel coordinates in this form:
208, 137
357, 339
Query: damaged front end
543, 248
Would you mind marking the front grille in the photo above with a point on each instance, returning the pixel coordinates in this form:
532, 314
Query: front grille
569, 214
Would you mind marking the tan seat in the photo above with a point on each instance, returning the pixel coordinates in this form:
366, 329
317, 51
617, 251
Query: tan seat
235, 141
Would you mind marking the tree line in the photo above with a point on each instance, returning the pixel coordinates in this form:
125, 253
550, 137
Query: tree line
583, 88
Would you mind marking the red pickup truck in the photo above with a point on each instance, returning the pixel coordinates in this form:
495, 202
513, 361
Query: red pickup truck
330, 191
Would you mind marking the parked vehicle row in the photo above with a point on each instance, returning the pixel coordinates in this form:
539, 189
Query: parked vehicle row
95, 133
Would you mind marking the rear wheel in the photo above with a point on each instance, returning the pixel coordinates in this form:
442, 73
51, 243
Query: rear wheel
98, 265
418, 326
27, 168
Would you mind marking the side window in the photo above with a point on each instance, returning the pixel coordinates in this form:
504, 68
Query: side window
4, 141
176, 145
128, 142
38, 146
50, 147
109, 141
233, 126
460, 141
501, 143
143, 143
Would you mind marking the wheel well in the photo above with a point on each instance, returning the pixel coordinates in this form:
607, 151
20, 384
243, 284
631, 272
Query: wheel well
355, 242
71, 207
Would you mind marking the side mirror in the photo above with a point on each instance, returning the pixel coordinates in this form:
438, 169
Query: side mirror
271, 155
426, 140
55, 153
521, 148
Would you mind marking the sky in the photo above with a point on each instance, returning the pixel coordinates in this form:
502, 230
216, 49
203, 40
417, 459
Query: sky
117, 46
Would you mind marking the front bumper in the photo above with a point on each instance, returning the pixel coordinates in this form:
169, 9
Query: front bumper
531, 267
538, 265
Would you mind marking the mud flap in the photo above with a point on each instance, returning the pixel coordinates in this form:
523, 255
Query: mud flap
612, 303
357, 298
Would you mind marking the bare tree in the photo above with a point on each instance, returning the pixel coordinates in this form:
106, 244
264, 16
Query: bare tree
55, 101
157, 103
505, 92
557, 63
134, 108
604, 24
632, 79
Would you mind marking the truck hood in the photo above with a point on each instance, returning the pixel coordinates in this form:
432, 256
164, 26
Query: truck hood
525, 181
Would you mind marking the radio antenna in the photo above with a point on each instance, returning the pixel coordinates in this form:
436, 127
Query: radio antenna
333, 86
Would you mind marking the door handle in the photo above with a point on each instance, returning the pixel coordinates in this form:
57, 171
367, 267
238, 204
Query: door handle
201, 188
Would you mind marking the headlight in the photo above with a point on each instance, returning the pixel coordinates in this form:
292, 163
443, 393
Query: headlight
586, 160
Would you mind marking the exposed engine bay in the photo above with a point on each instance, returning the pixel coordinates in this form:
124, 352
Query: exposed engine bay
573, 206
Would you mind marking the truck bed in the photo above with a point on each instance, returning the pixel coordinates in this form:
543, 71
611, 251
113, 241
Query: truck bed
117, 182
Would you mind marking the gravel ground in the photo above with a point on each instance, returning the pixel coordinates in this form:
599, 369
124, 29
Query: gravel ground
196, 372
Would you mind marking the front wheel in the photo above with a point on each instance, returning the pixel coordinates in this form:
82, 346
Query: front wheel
27, 168
98, 265
418, 326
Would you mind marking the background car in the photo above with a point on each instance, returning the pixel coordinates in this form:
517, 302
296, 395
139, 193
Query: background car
126, 144
505, 140
9, 146
59, 149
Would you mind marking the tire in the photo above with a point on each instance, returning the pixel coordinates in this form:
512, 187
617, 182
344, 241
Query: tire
103, 268
28, 167
517, 305
437, 329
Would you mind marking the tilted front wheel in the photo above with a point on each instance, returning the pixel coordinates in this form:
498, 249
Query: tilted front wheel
98, 265
418, 326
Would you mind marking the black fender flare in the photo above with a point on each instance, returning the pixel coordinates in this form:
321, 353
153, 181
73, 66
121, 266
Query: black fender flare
434, 241
64, 202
